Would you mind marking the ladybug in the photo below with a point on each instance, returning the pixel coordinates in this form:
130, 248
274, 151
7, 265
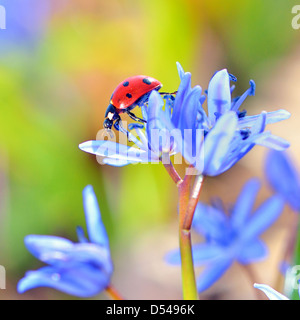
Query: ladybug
133, 91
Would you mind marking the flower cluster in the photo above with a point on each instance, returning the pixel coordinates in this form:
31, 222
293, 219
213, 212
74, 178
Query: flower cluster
82, 269
212, 142
230, 238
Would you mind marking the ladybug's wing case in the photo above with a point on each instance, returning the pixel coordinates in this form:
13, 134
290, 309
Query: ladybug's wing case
131, 89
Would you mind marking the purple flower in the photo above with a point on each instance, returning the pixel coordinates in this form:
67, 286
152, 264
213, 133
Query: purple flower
212, 142
81, 269
230, 237
284, 177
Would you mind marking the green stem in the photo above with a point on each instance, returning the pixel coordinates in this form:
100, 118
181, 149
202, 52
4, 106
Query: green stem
194, 199
173, 173
282, 281
187, 206
296, 262
189, 288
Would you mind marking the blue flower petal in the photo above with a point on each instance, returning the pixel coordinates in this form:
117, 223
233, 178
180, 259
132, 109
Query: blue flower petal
260, 124
219, 95
283, 176
169, 106
192, 105
155, 104
244, 204
115, 151
180, 70
144, 109
190, 136
183, 91
271, 141
217, 143
90, 253
173, 257
239, 148
252, 252
205, 252
81, 235
62, 252
249, 92
48, 248
158, 126
95, 227
212, 273
81, 281
263, 217
209, 221
271, 117
270, 292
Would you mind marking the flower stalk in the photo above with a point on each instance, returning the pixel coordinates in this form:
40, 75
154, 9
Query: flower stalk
191, 207
113, 293
187, 204
296, 262
187, 266
172, 172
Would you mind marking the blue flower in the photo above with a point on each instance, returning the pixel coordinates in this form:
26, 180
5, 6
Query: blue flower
81, 269
230, 238
212, 142
284, 178
229, 133
270, 292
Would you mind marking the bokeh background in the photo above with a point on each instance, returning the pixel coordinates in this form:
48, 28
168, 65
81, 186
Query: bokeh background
60, 60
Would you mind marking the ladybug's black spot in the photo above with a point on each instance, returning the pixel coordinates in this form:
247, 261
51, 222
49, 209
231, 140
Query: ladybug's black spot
147, 81
126, 83
128, 95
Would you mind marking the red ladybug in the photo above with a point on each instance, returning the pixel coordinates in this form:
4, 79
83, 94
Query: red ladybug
132, 92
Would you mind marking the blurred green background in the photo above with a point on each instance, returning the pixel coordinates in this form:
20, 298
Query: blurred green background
59, 63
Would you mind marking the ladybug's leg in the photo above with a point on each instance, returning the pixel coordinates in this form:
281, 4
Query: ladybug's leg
118, 126
134, 117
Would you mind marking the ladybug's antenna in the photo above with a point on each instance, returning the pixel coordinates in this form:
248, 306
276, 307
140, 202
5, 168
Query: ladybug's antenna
164, 93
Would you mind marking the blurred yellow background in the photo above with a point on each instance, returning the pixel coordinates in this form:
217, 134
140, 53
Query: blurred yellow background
59, 64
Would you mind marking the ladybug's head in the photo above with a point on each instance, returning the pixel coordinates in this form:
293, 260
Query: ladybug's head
107, 124
110, 116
